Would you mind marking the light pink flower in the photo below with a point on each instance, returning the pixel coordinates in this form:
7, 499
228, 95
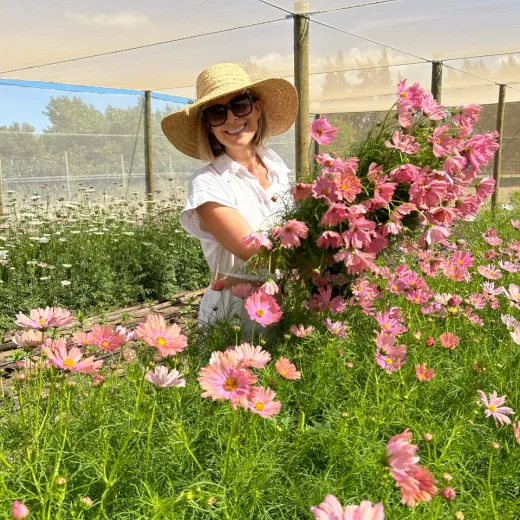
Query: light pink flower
431, 108
161, 378
301, 191
257, 240
442, 144
263, 309
301, 331
516, 431
466, 117
515, 223
262, 402
392, 360
485, 188
248, 356
286, 369
19, 510
489, 271
515, 334
43, 319
495, 409
105, 338
167, 339
356, 261
347, 186
337, 327
335, 214
411, 96
449, 340
322, 131
405, 113
424, 374
331, 509
329, 239
223, 380
57, 353
291, 232
270, 287
28, 338
448, 493
81, 338
242, 290
405, 143
509, 267
323, 187
405, 173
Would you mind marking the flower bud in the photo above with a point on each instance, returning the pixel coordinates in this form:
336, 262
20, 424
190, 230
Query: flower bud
447, 477
19, 510
427, 437
459, 515
86, 503
448, 493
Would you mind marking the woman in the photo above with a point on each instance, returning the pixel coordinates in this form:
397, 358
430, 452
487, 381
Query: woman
244, 184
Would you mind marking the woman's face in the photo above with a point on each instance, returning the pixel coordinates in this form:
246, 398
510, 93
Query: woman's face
236, 132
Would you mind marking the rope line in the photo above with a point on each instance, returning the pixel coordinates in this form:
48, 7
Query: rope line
138, 47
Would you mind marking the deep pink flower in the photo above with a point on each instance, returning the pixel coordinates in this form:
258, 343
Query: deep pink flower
247, 356
356, 261
323, 187
335, 214
410, 96
222, 379
462, 259
347, 186
405, 143
57, 353
449, 340
389, 324
301, 191
301, 331
424, 374
495, 409
454, 164
431, 108
19, 510
322, 300
162, 378
406, 173
331, 509
391, 359
167, 339
257, 240
442, 144
286, 369
358, 233
291, 232
263, 309
43, 319
262, 402
105, 338
480, 149
485, 188
322, 131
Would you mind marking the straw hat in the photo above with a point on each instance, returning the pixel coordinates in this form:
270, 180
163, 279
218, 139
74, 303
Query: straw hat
279, 98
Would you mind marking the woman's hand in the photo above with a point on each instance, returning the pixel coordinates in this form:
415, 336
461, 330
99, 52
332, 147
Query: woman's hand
228, 227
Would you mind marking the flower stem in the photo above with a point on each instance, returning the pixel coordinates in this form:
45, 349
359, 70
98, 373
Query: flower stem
489, 488
228, 448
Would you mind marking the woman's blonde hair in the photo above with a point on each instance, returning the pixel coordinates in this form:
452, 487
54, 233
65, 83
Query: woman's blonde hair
209, 147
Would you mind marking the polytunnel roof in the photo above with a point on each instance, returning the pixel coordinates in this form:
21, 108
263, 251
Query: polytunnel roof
358, 51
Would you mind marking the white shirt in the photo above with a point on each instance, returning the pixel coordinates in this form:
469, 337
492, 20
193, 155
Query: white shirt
227, 182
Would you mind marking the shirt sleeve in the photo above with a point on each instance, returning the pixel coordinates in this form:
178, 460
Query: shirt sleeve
204, 186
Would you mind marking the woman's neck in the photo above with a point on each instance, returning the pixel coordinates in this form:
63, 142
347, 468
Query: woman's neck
244, 156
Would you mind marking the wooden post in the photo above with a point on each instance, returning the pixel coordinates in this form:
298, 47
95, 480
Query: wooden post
301, 82
148, 152
67, 175
437, 80
123, 173
497, 165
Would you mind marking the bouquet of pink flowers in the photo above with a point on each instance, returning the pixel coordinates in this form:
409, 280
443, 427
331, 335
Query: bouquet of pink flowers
414, 170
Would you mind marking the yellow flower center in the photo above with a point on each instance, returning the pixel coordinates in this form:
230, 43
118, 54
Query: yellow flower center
260, 313
259, 406
404, 94
460, 262
493, 407
416, 300
161, 341
41, 321
105, 343
389, 360
328, 163
386, 326
283, 372
69, 362
438, 141
453, 310
230, 384
394, 287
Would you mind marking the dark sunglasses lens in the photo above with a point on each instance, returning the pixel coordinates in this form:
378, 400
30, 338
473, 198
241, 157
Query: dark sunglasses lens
216, 115
241, 105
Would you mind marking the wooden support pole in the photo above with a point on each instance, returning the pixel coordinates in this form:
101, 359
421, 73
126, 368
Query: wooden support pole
437, 80
148, 151
301, 82
497, 165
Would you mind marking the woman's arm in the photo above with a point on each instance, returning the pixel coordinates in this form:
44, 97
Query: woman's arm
228, 227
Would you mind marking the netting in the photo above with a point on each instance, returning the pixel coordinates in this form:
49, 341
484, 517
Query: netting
359, 51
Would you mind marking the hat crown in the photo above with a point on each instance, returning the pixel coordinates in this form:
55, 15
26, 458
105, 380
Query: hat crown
223, 77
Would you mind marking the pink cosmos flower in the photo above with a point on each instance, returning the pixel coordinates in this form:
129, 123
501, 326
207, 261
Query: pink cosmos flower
301, 191
491, 237
449, 340
347, 186
356, 261
515, 223
389, 324
335, 214
406, 173
322, 300
270, 287
161, 378
323, 187
286, 369
489, 271
167, 339
105, 338
322, 131
247, 356
391, 360
466, 117
57, 353
510, 321
81, 338
424, 374
358, 234
19, 510
336, 327
516, 431
405, 114
291, 232
442, 144
262, 402
242, 290
329, 239
495, 409
479, 149
28, 339
128, 335
515, 334
454, 164
509, 267
405, 143
224, 380
431, 108
411, 96
257, 240
331, 509
43, 319
263, 309
301, 331
462, 259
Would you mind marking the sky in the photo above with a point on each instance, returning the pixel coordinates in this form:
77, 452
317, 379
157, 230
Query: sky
25, 101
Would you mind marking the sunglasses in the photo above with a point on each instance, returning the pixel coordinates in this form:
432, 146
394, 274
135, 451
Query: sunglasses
241, 105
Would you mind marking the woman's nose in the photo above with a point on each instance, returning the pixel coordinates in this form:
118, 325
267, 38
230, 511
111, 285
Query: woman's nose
230, 116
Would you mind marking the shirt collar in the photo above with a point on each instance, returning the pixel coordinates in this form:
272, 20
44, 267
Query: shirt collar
228, 167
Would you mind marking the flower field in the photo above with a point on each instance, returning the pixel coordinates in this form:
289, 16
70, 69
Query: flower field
386, 386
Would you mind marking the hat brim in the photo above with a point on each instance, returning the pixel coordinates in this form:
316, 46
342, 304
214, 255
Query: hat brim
279, 103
